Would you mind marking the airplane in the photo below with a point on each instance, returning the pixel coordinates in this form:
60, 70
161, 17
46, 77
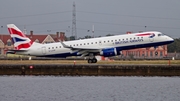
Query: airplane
103, 46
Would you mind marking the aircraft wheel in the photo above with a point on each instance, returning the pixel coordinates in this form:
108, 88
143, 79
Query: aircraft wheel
90, 61
94, 60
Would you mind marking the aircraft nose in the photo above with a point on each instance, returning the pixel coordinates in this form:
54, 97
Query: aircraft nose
171, 39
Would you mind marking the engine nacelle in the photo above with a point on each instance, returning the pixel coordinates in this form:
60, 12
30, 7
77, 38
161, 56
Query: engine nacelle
109, 52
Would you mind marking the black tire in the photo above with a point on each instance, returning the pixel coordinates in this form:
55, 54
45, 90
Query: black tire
94, 60
90, 61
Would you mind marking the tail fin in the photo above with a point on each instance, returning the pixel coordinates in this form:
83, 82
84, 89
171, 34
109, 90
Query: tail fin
21, 42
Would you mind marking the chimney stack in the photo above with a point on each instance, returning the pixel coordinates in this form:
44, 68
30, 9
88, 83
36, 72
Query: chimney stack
31, 34
57, 36
128, 32
62, 36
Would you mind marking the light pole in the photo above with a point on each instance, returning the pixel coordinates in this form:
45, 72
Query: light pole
48, 31
1, 29
68, 29
2, 33
1, 38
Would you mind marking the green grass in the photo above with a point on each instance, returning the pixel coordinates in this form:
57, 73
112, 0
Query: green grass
85, 62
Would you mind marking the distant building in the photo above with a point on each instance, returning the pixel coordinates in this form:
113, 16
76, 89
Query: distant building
149, 52
6, 42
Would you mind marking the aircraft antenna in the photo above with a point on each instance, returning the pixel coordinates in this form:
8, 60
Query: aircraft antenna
74, 33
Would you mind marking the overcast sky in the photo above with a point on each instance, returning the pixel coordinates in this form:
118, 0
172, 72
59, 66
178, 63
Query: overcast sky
107, 16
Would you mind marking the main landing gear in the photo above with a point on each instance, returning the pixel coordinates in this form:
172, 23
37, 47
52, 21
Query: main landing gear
92, 58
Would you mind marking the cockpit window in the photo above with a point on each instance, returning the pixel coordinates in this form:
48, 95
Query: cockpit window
160, 34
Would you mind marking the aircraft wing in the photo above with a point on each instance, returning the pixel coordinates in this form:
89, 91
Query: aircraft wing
83, 50
79, 48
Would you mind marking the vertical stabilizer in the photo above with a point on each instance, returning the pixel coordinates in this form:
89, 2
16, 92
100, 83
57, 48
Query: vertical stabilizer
20, 40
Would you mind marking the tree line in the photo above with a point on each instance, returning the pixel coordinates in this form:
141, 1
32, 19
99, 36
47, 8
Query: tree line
175, 46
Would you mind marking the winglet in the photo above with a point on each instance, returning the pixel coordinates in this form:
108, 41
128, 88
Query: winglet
65, 46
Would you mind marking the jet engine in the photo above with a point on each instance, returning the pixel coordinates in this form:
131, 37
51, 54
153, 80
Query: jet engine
109, 52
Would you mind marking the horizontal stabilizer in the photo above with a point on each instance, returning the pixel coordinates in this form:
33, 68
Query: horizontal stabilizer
14, 51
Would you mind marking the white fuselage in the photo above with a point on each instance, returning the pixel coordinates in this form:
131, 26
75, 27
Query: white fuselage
121, 42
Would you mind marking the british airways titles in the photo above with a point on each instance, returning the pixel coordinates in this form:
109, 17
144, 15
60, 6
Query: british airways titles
129, 41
